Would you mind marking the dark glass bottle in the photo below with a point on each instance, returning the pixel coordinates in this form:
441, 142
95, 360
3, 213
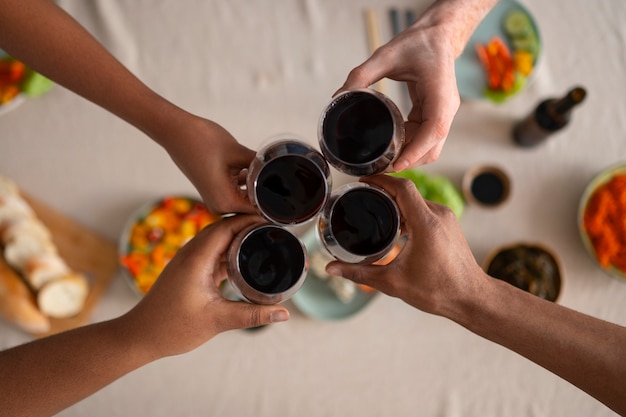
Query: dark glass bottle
550, 116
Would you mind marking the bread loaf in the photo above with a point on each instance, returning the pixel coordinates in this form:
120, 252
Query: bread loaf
64, 296
17, 303
29, 249
43, 268
7, 186
24, 247
13, 208
25, 225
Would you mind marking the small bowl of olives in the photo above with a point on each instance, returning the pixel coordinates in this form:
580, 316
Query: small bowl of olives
527, 266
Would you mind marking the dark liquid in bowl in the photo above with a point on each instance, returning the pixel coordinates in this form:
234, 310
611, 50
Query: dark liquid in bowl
364, 222
488, 188
358, 128
271, 260
290, 189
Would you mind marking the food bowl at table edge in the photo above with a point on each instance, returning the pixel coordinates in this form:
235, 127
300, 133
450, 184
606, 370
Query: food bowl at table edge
596, 182
153, 234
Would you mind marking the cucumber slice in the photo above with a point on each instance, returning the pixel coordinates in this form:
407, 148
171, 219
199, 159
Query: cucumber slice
517, 24
529, 44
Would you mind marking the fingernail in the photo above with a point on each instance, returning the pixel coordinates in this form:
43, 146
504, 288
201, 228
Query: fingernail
401, 165
337, 92
277, 316
334, 270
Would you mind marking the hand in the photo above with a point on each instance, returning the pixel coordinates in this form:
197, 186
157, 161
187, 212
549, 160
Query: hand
185, 307
206, 153
422, 57
212, 160
436, 267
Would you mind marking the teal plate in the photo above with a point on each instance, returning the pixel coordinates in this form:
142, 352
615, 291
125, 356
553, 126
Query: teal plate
470, 75
317, 300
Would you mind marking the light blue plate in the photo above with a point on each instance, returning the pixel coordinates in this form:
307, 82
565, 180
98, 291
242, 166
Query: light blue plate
315, 299
470, 76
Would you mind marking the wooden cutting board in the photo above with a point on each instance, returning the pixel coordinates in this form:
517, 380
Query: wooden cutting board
84, 251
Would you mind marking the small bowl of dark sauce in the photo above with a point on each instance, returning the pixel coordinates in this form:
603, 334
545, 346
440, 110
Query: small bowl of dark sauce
487, 186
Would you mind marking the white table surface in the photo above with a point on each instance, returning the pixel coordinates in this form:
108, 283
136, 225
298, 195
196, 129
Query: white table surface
264, 67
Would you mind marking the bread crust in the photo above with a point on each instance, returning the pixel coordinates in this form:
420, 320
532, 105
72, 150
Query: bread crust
35, 282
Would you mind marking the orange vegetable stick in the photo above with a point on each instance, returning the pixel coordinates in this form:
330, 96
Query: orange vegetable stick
604, 221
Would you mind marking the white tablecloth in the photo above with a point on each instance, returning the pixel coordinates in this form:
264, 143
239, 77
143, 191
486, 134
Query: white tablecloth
264, 67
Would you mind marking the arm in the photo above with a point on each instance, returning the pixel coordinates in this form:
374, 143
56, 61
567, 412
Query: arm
423, 57
443, 278
51, 42
182, 311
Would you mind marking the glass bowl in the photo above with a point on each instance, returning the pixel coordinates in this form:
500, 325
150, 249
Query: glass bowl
153, 234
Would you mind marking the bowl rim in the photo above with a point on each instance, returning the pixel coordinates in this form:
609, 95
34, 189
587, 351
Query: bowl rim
472, 173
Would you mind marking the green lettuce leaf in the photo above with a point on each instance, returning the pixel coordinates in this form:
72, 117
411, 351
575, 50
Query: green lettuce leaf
435, 188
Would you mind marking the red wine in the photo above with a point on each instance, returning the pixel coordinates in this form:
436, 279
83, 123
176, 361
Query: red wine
358, 128
271, 260
290, 189
364, 222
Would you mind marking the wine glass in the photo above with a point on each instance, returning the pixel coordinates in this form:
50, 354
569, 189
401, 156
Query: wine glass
267, 264
360, 224
361, 132
288, 182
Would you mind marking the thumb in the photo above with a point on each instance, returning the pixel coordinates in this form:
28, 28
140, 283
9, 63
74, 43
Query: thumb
241, 315
354, 272
366, 74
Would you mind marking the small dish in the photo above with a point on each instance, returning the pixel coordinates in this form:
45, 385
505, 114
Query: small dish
316, 299
528, 266
471, 76
154, 233
601, 206
486, 185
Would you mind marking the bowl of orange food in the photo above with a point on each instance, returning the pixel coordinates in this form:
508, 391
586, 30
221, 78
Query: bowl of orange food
602, 220
155, 232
